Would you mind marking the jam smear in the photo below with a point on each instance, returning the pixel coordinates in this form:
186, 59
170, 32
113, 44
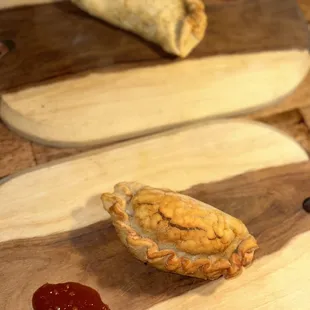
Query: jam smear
67, 296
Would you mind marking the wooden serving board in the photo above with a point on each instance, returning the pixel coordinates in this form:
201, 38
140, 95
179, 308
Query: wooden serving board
176, 159
270, 204
53, 227
71, 71
5, 4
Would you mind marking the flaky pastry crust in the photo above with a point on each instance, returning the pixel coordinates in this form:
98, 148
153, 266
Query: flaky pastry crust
178, 26
193, 29
176, 233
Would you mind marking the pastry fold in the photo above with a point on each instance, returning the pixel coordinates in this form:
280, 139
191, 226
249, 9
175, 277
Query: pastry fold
176, 233
178, 26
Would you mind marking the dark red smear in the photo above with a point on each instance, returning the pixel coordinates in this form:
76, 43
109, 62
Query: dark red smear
67, 296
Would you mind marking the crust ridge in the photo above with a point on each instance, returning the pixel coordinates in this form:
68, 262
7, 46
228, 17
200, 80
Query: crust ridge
208, 267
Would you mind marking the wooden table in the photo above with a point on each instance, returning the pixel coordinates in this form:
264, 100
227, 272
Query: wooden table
52, 219
292, 115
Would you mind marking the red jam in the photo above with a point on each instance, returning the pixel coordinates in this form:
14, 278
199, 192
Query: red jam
67, 296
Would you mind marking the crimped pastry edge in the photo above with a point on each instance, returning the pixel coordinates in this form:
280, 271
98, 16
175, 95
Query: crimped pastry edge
194, 27
146, 250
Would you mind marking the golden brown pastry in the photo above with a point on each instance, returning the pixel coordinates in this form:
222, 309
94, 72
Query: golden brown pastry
177, 233
176, 25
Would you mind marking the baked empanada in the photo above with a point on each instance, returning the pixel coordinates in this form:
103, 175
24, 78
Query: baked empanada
177, 26
177, 233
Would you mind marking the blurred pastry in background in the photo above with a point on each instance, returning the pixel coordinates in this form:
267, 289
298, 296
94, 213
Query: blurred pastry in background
178, 26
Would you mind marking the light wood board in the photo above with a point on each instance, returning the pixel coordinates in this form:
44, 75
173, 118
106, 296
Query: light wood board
279, 278
94, 109
63, 199
176, 159
17, 154
6, 4
292, 123
65, 40
120, 86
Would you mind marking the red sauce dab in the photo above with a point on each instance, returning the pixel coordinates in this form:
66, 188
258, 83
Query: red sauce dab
67, 296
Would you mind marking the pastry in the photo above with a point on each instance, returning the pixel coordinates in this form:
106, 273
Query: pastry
177, 26
176, 233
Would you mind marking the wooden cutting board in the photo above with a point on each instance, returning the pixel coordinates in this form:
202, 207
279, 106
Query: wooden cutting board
53, 227
71, 71
268, 201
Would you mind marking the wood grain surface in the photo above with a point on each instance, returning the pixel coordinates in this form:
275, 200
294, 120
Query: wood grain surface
15, 152
175, 159
113, 106
57, 39
97, 74
272, 197
293, 124
299, 98
27, 154
6, 4
268, 201
33, 154
306, 114
305, 7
